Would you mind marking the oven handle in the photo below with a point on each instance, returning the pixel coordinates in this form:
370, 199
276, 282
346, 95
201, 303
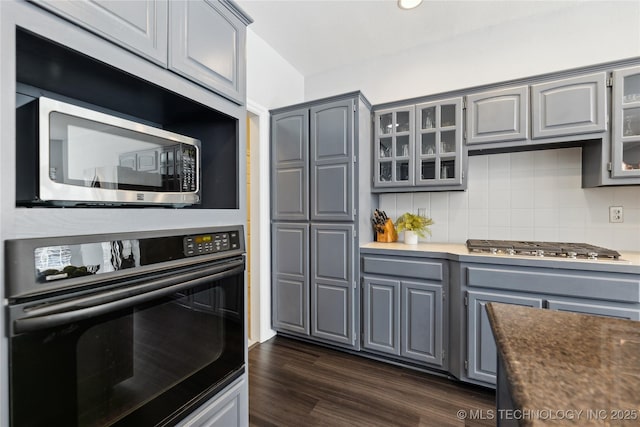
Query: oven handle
106, 302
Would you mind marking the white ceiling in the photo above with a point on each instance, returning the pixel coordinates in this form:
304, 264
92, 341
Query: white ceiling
319, 35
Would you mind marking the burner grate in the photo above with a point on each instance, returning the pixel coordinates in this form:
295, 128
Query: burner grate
551, 249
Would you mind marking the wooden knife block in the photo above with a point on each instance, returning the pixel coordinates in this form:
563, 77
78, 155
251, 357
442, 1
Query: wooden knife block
389, 234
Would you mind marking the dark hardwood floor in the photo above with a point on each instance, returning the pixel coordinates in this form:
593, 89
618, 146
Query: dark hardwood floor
292, 383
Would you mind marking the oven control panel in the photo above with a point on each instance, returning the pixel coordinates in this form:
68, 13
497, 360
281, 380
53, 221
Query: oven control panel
211, 243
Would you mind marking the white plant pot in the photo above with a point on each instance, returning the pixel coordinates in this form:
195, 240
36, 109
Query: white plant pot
410, 238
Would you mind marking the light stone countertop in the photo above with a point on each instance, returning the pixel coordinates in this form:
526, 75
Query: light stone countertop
458, 251
567, 368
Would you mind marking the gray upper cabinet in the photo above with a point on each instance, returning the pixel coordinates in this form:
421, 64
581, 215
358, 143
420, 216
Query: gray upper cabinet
498, 115
439, 150
481, 346
290, 277
207, 45
290, 165
333, 291
626, 123
393, 147
569, 107
139, 26
202, 40
332, 160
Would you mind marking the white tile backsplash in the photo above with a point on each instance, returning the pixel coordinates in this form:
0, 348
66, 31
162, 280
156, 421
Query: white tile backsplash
526, 196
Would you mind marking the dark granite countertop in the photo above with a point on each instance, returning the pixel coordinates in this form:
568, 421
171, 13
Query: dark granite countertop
568, 368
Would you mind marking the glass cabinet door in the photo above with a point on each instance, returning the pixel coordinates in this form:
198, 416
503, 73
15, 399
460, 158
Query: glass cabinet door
393, 147
626, 123
439, 142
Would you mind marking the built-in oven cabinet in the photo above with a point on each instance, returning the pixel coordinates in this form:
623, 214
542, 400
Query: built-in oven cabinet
228, 409
201, 40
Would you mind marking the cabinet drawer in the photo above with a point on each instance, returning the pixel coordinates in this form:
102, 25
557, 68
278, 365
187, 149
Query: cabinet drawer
594, 285
403, 267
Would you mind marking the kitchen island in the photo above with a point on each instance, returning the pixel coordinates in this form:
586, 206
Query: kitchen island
563, 368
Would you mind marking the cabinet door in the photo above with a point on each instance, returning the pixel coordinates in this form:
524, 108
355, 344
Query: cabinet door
422, 322
332, 283
498, 115
207, 45
290, 277
393, 147
481, 346
381, 315
332, 161
625, 125
290, 166
229, 409
596, 309
438, 148
569, 107
139, 26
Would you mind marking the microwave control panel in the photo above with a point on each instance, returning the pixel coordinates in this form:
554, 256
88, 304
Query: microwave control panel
211, 243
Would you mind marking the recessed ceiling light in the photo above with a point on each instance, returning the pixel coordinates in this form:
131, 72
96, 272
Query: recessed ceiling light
408, 4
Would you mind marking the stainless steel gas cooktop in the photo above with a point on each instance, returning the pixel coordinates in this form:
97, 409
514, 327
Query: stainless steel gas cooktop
541, 249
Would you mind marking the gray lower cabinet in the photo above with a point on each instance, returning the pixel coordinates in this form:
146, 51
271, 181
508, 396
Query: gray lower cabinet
230, 408
570, 106
498, 115
381, 315
404, 318
591, 307
290, 277
481, 346
404, 309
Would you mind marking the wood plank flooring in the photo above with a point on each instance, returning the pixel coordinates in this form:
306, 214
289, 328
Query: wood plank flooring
292, 383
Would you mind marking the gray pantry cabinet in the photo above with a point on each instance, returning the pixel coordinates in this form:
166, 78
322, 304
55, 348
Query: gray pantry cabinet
202, 40
590, 292
320, 183
404, 308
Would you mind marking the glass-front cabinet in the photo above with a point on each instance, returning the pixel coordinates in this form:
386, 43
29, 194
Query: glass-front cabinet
393, 147
626, 123
439, 142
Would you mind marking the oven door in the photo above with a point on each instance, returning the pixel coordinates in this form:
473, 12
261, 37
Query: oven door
145, 353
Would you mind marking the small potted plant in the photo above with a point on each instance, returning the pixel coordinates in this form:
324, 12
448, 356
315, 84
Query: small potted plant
413, 226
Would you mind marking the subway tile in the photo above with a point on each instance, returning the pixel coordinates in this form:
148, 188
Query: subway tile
569, 158
547, 234
478, 200
478, 232
499, 233
545, 160
499, 199
387, 203
628, 197
422, 201
404, 203
521, 162
499, 218
572, 235
545, 198
522, 233
571, 217
545, 218
626, 238
522, 199
522, 218
458, 200
600, 236
478, 218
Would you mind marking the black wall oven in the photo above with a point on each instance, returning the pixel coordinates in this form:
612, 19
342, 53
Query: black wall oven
134, 329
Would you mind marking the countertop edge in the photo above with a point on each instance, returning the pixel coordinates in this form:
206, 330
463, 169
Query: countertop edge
458, 252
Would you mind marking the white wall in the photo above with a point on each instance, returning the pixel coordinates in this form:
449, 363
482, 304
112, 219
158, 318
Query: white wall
271, 81
588, 33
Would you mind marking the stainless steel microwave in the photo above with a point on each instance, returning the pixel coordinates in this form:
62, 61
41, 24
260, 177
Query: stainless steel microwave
69, 155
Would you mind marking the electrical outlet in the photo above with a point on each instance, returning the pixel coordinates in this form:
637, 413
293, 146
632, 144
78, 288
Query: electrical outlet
616, 214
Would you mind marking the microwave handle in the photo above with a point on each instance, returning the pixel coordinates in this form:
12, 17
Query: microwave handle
108, 302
